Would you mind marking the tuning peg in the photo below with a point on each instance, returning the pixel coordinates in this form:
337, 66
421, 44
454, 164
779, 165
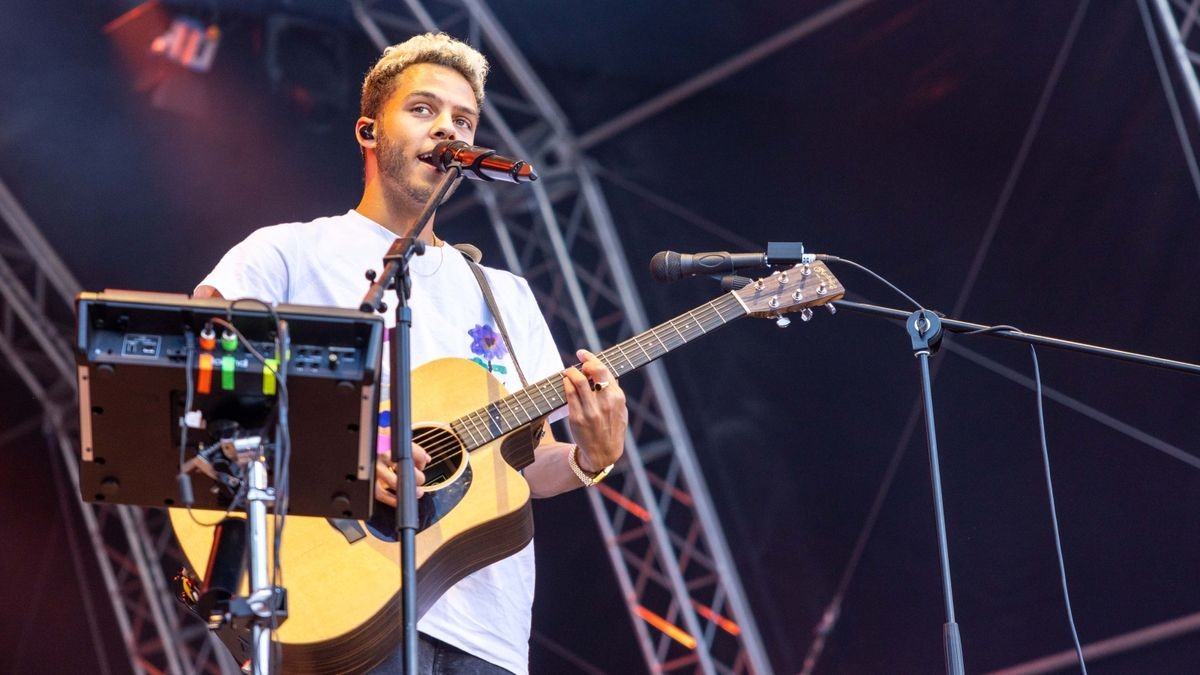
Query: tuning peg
806, 314
831, 307
371, 275
782, 321
382, 307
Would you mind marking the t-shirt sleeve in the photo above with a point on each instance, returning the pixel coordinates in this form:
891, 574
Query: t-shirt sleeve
254, 268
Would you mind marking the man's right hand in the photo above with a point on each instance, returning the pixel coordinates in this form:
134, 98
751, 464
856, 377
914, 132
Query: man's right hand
385, 475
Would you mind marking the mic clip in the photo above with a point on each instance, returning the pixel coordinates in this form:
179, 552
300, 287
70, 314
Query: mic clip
785, 254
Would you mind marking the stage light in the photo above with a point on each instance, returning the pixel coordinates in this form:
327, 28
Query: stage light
189, 42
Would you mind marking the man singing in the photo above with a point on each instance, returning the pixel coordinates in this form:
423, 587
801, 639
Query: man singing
421, 92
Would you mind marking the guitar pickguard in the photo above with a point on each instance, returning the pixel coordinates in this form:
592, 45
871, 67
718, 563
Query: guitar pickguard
431, 508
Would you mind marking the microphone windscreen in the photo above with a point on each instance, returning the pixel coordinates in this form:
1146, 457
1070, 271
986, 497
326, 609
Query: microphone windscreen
664, 266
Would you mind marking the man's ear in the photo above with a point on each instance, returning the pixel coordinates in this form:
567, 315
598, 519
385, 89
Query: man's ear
364, 132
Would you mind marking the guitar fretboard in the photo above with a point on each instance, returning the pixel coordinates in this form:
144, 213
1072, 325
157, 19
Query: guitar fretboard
545, 396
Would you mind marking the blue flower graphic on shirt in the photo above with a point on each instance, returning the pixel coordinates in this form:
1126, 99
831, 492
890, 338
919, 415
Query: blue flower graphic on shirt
487, 343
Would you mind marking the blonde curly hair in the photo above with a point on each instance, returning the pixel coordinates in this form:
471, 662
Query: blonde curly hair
436, 48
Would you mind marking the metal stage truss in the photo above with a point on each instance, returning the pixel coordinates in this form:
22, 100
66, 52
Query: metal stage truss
1177, 21
132, 548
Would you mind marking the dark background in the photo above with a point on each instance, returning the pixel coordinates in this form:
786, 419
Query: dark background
887, 138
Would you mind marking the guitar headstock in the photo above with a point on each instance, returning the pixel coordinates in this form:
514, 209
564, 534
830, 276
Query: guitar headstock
804, 285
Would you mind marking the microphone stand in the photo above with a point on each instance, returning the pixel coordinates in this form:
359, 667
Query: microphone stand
395, 276
956, 326
925, 330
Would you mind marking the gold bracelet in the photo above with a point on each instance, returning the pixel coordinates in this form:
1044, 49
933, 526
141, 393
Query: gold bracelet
588, 479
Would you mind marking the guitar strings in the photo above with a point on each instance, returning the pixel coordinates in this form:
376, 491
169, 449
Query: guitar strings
449, 447
669, 335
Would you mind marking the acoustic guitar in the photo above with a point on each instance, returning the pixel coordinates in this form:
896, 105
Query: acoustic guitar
342, 577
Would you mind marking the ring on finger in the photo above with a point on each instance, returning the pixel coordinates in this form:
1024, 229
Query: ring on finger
599, 386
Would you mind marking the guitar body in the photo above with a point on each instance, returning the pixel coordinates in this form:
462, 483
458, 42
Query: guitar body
342, 609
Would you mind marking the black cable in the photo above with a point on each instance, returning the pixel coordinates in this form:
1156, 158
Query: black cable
847, 261
188, 401
1062, 570
282, 455
992, 329
283, 442
188, 398
832, 613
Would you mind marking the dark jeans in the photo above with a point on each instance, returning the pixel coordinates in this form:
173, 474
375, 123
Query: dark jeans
435, 657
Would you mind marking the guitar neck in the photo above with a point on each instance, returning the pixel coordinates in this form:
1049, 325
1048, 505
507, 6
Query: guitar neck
544, 397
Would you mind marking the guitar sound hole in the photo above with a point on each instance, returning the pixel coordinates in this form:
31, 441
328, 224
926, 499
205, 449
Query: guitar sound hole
446, 454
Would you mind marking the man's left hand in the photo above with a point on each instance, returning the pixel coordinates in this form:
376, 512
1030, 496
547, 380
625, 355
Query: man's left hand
596, 412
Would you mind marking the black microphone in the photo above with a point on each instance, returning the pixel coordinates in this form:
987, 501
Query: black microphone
481, 163
672, 266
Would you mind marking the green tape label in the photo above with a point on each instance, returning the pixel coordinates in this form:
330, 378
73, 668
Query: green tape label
228, 367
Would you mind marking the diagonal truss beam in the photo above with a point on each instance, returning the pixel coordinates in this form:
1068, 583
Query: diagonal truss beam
1118, 644
717, 73
1178, 31
1181, 38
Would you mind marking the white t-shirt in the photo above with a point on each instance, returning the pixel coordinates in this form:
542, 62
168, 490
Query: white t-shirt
322, 263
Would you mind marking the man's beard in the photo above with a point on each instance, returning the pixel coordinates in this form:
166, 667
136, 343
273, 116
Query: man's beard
400, 188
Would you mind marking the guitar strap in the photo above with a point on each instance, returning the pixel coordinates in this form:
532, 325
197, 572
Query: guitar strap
473, 255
